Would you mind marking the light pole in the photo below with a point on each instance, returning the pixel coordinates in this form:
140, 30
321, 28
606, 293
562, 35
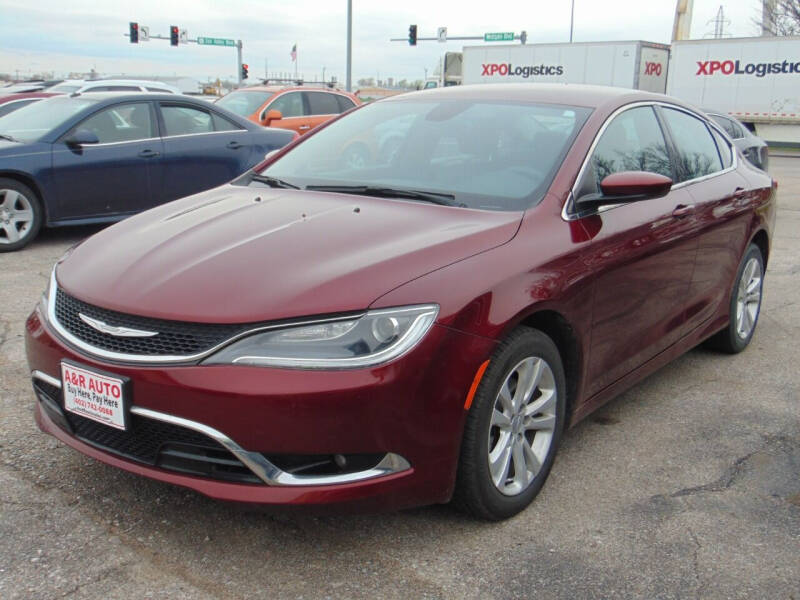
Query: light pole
349, 45
571, 20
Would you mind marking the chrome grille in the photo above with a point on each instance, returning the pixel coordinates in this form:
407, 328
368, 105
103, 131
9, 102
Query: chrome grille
175, 338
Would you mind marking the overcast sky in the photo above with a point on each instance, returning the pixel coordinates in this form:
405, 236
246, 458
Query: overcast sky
43, 35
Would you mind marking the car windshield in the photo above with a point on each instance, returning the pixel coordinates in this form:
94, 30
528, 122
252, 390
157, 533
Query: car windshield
30, 123
64, 88
244, 103
486, 155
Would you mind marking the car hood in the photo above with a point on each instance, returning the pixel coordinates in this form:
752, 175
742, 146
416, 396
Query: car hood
11, 149
242, 254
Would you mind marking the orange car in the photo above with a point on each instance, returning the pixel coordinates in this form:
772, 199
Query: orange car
297, 108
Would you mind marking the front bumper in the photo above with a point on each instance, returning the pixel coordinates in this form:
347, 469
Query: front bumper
409, 412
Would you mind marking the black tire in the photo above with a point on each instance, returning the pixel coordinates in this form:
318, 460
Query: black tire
475, 492
25, 232
730, 339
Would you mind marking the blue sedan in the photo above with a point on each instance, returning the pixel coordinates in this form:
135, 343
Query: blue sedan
72, 160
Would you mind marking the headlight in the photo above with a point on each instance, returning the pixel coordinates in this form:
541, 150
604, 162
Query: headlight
374, 338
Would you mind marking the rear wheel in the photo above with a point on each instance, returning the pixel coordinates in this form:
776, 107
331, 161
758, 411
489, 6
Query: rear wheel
745, 304
20, 215
513, 427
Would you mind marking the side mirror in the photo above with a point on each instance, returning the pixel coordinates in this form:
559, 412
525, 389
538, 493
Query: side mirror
81, 137
272, 115
626, 187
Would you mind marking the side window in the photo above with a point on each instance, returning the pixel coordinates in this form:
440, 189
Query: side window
344, 103
160, 90
726, 124
185, 120
120, 123
738, 132
725, 151
290, 105
322, 103
113, 88
633, 141
223, 124
697, 152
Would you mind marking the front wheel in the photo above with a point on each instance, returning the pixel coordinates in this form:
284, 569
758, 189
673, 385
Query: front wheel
513, 427
20, 215
745, 304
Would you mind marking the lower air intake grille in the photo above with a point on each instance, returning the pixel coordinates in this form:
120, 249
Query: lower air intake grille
156, 443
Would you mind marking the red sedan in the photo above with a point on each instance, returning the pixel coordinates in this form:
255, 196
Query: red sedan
416, 329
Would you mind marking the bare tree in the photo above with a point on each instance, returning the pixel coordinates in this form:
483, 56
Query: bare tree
780, 17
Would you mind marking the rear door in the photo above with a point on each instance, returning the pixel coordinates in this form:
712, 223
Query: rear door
721, 203
113, 176
643, 254
293, 108
201, 150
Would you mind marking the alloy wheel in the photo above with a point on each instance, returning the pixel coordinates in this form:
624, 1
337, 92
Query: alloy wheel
748, 298
522, 425
16, 216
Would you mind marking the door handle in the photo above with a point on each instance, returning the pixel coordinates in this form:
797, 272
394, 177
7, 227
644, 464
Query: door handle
304, 127
739, 193
234, 145
149, 153
683, 210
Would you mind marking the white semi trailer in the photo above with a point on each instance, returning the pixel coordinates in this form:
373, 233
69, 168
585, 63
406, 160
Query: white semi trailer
756, 79
637, 64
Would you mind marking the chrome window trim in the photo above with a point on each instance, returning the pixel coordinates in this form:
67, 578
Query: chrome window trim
261, 467
566, 215
155, 358
149, 139
180, 135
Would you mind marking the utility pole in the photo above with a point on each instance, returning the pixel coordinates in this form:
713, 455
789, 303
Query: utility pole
349, 45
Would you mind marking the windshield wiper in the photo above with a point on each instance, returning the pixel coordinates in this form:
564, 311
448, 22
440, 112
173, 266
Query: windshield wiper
386, 192
273, 182
10, 138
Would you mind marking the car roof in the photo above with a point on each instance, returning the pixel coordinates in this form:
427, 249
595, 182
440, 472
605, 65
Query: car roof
283, 88
573, 94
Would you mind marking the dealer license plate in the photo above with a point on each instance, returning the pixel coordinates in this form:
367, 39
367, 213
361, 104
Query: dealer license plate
94, 395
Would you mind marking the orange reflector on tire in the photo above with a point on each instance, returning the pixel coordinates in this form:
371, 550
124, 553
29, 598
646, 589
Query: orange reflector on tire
475, 383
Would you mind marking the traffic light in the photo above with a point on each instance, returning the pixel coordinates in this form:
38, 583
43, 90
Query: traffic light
134, 33
173, 35
244, 71
412, 35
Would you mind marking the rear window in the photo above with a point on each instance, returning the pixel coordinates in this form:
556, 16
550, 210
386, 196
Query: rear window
10, 107
244, 103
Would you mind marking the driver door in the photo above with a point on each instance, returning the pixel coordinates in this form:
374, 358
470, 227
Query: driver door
113, 176
643, 254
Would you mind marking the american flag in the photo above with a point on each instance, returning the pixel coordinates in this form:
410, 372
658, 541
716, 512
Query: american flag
294, 53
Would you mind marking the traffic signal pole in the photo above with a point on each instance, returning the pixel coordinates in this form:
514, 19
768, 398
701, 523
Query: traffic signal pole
239, 60
136, 38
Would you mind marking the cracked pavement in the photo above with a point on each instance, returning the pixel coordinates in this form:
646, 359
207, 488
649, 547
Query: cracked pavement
687, 486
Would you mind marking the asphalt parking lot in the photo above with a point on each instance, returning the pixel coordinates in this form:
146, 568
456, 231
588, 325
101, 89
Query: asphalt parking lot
687, 486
